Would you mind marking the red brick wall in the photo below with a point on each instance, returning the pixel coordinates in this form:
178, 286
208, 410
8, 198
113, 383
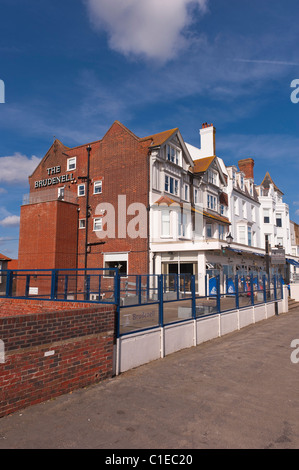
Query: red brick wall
81, 337
48, 236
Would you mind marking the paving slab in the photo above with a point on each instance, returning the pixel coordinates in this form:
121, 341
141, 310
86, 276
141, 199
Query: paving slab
240, 391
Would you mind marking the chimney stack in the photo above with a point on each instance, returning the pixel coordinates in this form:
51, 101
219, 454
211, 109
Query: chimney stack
246, 165
208, 140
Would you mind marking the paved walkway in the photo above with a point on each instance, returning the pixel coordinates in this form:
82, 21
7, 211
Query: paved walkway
238, 391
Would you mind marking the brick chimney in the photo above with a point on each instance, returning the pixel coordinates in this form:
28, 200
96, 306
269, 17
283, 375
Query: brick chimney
246, 166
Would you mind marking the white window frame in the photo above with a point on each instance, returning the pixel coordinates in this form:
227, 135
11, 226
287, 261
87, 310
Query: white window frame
71, 163
80, 186
171, 181
209, 225
211, 202
242, 234
98, 184
95, 229
165, 223
182, 225
60, 192
82, 224
172, 154
186, 192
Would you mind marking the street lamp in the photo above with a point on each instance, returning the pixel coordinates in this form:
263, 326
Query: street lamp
229, 239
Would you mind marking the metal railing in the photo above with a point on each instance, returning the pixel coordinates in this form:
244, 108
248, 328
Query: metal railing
142, 301
91, 285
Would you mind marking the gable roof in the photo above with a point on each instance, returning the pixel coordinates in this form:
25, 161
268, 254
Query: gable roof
201, 165
161, 137
267, 181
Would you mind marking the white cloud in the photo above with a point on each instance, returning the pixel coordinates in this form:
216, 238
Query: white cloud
152, 28
16, 168
10, 221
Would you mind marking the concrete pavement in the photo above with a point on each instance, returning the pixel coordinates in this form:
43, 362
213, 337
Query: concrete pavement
236, 392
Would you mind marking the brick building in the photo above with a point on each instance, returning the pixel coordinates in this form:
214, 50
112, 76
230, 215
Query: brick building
57, 228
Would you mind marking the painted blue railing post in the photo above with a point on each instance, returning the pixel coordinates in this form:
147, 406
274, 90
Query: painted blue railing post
139, 289
177, 286
237, 290
117, 301
99, 286
218, 293
66, 281
275, 291
264, 288
193, 297
54, 284
27, 285
9, 279
160, 296
251, 289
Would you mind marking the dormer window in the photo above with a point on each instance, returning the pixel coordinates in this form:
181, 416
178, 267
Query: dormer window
173, 154
212, 177
242, 182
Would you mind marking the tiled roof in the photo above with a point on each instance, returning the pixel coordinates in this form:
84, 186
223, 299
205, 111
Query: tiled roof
201, 165
160, 138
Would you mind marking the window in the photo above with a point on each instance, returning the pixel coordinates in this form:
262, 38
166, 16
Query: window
236, 206
165, 223
71, 164
155, 174
212, 202
242, 182
61, 193
212, 177
97, 187
244, 211
81, 190
116, 260
82, 223
209, 231
278, 220
97, 224
195, 196
186, 192
234, 178
172, 154
222, 209
221, 231
171, 185
266, 216
182, 228
249, 236
241, 234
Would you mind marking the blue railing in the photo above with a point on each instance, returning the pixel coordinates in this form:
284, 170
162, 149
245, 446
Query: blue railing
150, 301
142, 301
91, 285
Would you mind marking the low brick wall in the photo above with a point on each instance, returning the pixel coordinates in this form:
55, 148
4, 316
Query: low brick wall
51, 348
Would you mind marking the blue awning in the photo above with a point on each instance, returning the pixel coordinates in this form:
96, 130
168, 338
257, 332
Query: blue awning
293, 262
244, 251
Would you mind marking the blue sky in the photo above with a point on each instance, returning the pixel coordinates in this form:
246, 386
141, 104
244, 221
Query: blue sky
72, 67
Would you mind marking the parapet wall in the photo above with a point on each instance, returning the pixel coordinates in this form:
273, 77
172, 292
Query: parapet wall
51, 348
